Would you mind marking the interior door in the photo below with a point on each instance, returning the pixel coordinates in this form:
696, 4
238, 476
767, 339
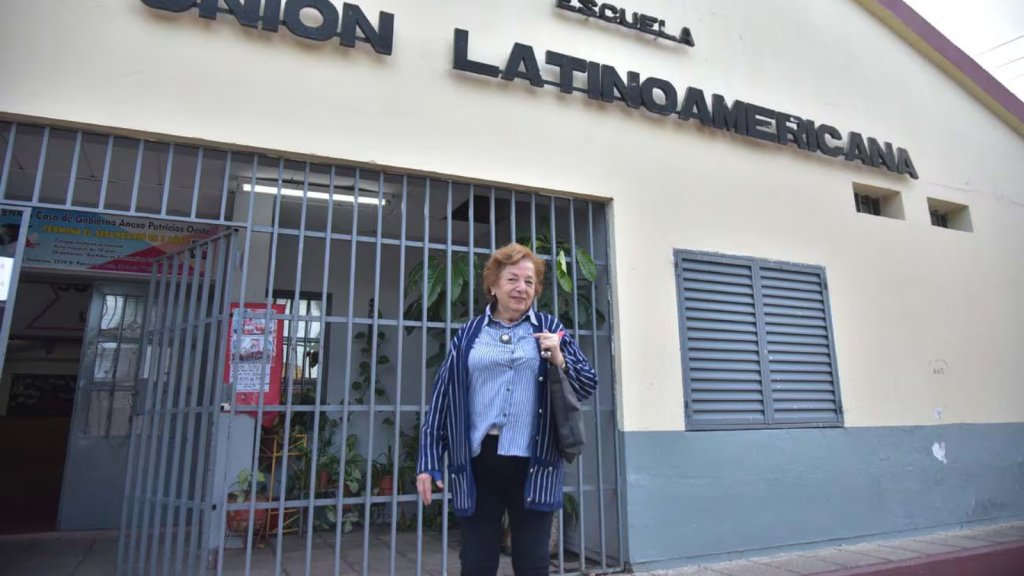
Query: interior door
93, 487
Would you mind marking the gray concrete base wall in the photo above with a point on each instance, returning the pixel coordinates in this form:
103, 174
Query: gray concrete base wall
697, 494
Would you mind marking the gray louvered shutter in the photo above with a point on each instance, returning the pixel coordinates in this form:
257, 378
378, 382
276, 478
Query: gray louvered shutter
757, 343
723, 372
799, 348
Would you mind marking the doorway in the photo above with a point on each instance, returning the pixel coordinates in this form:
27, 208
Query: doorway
67, 359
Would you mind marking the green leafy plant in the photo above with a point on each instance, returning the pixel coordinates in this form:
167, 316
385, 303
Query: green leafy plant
439, 295
349, 518
437, 292
362, 385
328, 461
245, 487
571, 509
383, 468
567, 289
352, 485
408, 455
355, 465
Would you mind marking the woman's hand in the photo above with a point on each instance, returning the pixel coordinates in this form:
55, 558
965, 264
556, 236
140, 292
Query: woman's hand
423, 486
551, 345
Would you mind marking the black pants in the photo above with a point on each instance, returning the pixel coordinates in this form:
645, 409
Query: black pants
500, 486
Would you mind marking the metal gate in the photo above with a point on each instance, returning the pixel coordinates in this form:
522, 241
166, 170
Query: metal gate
369, 274
170, 486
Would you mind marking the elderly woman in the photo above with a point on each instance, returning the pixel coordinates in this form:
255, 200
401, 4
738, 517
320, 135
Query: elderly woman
490, 415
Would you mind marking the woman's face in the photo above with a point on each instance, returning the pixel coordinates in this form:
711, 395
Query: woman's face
515, 289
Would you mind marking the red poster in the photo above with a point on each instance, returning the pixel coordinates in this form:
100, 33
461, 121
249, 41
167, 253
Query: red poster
255, 357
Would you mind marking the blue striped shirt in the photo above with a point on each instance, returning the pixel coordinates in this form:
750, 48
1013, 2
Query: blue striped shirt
444, 436
503, 385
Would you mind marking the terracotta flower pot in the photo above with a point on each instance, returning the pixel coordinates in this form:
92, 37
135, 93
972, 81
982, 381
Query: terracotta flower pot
238, 520
387, 485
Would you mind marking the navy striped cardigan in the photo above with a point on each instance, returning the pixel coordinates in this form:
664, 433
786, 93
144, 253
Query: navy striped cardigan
446, 427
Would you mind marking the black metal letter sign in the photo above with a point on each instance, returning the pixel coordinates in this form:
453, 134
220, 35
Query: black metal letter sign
350, 26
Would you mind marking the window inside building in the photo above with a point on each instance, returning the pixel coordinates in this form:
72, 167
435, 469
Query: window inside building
950, 215
878, 201
116, 358
302, 340
867, 204
757, 343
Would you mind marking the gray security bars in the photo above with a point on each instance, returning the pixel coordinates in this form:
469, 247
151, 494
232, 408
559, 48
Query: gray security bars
169, 487
371, 274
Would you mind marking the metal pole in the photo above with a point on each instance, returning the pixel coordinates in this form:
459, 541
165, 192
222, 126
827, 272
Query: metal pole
155, 330
552, 240
165, 194
212, 379
126, 536
106, 172
493, 224
597, 392
166, 310
12, 133
224, 188
42, 165
372, 386
447, 343
423, 354
195, 181
173, 386
201, 289
289, 387
74, 169
322, 355
353, 254
219, 331
512, 216
471, 309
619, 464
235, 328
293, 329
397, 417
581, 523
185, 339
138, 175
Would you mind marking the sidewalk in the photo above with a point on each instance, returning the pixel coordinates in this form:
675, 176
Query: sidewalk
994, 550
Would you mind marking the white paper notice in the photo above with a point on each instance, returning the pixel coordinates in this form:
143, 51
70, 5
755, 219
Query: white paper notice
6, 269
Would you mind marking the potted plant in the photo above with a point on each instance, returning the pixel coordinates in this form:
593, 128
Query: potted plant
327, 467
383, 472
245, 489
571, 513
355, 464
328, 462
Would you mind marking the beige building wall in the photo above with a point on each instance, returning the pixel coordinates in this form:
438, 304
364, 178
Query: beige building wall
929, 323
